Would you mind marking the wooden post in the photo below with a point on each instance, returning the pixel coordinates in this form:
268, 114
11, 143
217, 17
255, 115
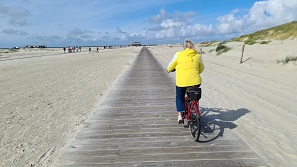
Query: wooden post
242, 53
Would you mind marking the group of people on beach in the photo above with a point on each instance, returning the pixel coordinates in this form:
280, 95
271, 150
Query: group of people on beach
72, 49
78, 48
97, 49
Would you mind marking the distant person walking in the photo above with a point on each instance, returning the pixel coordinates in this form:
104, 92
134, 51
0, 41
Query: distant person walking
90, 49
64, 49
97, 50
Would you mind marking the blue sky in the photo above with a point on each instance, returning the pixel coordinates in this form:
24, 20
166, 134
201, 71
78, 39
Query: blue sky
121, 22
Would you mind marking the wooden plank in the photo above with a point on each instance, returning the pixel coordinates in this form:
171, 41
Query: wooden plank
184, 162
155, 157
163, 150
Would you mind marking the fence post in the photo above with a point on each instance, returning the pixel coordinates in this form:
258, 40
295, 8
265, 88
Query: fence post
242, 53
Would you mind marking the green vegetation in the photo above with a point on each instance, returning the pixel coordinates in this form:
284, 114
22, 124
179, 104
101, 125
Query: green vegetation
222, 43
208, 44
287, 60
211, 50
222, 48
250, 42
281, 32
264, 42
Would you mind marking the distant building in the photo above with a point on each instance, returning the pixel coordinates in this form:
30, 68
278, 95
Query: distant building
136, 44
35, 46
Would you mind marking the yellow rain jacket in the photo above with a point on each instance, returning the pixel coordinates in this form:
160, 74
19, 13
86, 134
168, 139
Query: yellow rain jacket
188, 65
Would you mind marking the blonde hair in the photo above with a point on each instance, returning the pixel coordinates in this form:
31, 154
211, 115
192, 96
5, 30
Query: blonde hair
189, 44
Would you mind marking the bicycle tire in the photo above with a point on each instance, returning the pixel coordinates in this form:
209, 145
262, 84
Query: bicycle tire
195, 124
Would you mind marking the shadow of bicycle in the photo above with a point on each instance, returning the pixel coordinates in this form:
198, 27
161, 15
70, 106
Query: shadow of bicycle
214, 121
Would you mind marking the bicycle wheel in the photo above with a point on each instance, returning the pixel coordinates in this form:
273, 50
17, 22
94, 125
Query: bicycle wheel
195, 124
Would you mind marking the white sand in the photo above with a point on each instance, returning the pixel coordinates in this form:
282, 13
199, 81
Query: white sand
47, 95
260, 94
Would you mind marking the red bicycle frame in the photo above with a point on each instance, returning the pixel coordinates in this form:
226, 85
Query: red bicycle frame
190, 106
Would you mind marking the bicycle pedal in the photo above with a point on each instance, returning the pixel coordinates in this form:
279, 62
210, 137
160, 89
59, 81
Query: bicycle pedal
181, 122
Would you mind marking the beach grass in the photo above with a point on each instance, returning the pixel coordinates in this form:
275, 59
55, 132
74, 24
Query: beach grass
249, 42
209, 44
222, 48
211, 50
281, 32
287, 59
264, 42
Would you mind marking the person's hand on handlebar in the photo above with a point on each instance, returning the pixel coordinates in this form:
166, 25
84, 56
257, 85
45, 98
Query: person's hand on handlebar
170, 71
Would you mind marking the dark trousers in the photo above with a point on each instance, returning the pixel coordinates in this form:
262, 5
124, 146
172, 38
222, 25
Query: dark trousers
180, 98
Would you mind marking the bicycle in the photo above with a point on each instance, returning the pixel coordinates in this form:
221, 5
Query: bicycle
192, 113
192, 97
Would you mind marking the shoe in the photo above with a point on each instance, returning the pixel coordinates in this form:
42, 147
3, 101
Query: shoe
180, 120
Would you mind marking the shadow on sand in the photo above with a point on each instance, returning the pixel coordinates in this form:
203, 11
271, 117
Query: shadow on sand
214, 121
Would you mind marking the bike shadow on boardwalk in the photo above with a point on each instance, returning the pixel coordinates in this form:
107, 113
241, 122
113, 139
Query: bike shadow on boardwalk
215, 121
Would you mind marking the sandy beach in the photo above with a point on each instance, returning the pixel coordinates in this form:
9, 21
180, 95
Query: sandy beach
267, 91
47, 95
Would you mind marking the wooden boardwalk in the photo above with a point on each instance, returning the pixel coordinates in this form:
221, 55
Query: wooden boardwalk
136, 125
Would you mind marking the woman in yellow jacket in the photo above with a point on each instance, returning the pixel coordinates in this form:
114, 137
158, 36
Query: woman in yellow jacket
188, 65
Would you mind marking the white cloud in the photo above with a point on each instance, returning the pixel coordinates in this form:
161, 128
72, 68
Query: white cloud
229, 23
263, 14
14, 32
199, 29
48, 19
177, 25
78, 33
170, 23
122, 32
15, 15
